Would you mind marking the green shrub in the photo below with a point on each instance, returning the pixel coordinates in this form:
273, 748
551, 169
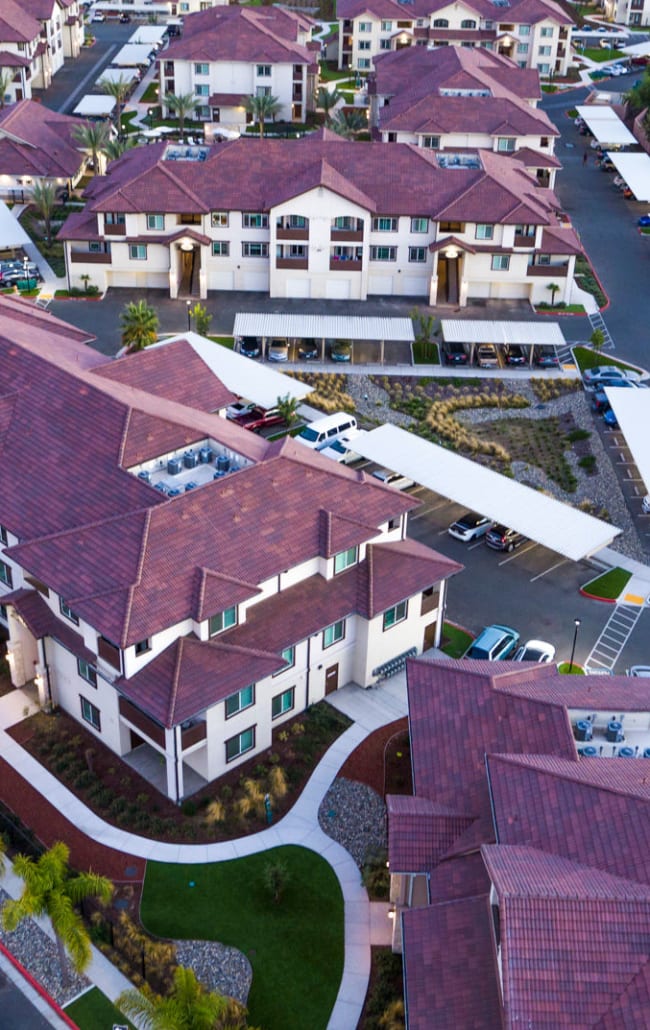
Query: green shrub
578, 434
188, 807
588, 463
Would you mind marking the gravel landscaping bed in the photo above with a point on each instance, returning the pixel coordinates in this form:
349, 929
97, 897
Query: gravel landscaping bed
354, 815
218, 966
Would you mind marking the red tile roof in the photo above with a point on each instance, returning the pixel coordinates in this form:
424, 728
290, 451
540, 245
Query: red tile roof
42, 622
38, 142
519, 11
420, 832
17, 25
572, 940
451, 987
248, 34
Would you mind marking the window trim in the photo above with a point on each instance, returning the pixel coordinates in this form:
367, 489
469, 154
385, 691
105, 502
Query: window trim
153, 218
238, 736
87, 672
222, 615
137, 251
289, 663
241, 706
417, 255
485, 235
278, 697
66, 610
336, 639
500, 263
350, 556
89, 716
401, 605
254, 220
223, 248
219, 219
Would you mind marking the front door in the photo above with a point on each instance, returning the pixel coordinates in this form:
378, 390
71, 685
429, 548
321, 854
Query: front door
331, 679
429, 636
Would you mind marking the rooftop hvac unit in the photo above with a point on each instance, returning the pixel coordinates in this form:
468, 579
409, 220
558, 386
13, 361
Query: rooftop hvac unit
205, 455
646, 752
626, 752
174, 466
614, 732
175, 491
190, 459
219, 474
190, 486
144, 476
223, 463
583, 730
589, 752
161, 488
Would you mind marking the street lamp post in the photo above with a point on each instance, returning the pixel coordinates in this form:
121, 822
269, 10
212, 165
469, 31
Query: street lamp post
150, 116
576, 623
189, 315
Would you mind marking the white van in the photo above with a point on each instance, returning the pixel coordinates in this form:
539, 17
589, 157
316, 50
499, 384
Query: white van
323, 431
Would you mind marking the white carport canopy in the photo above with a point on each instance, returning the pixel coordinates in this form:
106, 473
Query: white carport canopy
95, 106
635, 49
552, 523
115, 74
327, 327
605, 124
149, 34
132, 55
635, 169
458, 330
12, 233
246, 378
632, 410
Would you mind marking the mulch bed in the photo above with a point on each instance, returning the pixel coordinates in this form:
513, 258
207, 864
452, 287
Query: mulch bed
375, 763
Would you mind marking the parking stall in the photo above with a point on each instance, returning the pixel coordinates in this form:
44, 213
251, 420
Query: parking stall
341, 338
514, 343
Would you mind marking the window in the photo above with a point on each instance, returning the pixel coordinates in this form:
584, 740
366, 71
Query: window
264, 71
201, 69
255, 250
297, 222
383, 253
3, 535
94, 247
289, 655
544, 141
384, 224
386, 26
254, 220
201, 89
143, 646
524, 30
525, 230
113, 218
364, 63
431, 142
221, 248
544, 51
240, 744
5, 574
363, 44
417, 255
452, 227
365, 26
522, 48
543, 69
506, 144
484, 231
543, 259
334, 633
468, 23
138, 251
90, 714
384, 44
283, 703
344, 222
155, 221
500, 262
441, 23
546, 32
87, 672
344, 559
239, 701
419, 225
223, 620
396, 614
68, 612
262, 91
219, 219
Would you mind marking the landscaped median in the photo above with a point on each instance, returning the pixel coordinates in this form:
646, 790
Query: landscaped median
607, 587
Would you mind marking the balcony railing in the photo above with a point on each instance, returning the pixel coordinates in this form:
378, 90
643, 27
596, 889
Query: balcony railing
347, 235
193, 734
550, 271
286, 262
115, 230
345, 265
291, 234
142, 722
524, 241
91, 257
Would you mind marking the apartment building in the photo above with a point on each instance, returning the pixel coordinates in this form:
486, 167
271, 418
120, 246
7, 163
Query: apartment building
176, 582
228, 54
322, 217
459, 98
37, 144
35, 38
533, 33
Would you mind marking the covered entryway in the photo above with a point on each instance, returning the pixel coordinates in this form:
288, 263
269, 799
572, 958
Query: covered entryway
448, 274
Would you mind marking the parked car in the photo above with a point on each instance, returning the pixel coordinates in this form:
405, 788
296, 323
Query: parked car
618, 69
535, 651
98, 16
250, 347
638, 670
599, 402
609, 418
493, 644
239, 408
645, 504
341, 351
515, 355
546, 357
486, 356
394, 479
308, 350
260, 418
342, 448
454, 353
503, 539
125, 18
470, 526
644, 221
607, 375
278, 350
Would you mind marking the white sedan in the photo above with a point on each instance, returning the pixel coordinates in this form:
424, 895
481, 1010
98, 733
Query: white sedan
535, 651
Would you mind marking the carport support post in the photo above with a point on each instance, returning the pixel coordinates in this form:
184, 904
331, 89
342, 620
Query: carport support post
381, 352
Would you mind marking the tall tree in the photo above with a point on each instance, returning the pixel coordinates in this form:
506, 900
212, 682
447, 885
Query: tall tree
188, 1006
119, 90
116, 147
263, 107
182, 105
52, 889
93, 138
44, 200
350, 123
326, 100
139, 324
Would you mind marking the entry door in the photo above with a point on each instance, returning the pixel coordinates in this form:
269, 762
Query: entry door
429, 636
331, 679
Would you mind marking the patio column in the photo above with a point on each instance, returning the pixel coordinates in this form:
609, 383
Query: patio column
442, 604
174, 764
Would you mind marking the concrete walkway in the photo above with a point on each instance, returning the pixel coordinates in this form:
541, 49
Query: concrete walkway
51, 282
370, 709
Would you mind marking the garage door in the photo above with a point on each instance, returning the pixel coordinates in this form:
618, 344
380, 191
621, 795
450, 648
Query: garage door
338, 289
222, 281
298, 287
380, 284
256, 281
415, 286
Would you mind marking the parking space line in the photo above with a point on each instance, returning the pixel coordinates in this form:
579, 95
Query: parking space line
477, 543
546, 571
517, 554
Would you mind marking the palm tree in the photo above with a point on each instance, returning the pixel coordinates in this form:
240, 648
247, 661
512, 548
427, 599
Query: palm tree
119, 90
51, 889
116, 147
44, 200
181, 105
349, 123
93, 139
326, 100
263, 107
139, 324
287, 406
188, 1006
5, 83
554, 288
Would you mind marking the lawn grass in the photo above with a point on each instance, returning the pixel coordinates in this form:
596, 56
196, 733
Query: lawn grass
94, 1011
561, 309
295, 947
608, 586
225, 341
600, 54
587, 358
150, 95
455, 640
425, 353
576, 670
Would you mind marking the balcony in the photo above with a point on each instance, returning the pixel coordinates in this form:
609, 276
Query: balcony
291, 234
287, 262
524, 241
193, 734
345, 265
83, 257
548, 271
346, 235
142, 722
115, 230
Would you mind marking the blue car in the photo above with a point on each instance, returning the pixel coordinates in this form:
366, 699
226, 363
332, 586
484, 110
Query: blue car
644, 221
494, 643
609, 418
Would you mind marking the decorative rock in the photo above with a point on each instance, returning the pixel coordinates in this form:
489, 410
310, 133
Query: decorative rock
359, 819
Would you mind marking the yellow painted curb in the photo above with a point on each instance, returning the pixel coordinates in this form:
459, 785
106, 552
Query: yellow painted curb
634, 599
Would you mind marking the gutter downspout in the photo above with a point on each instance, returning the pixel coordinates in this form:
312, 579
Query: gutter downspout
41, 648
308, 672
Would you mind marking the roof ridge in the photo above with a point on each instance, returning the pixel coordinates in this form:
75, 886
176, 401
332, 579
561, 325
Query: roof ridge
522, 761
175, 680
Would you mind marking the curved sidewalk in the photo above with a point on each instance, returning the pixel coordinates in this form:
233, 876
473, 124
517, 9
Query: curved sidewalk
370, 709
